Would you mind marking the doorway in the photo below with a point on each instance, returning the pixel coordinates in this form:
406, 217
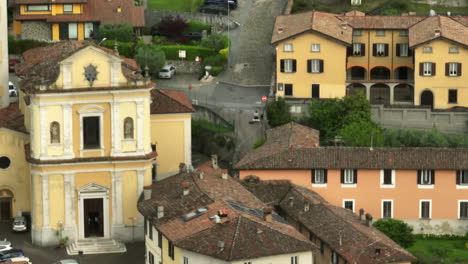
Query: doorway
5, 209
93, 217
427, 98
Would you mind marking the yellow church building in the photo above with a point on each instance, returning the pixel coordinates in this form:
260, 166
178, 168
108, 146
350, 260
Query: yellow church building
83, 141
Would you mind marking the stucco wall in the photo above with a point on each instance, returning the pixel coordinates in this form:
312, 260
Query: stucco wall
4, 95
36, 30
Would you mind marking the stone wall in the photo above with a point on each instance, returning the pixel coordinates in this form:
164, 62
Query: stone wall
36, 30
438, 227
184, 66
420, 118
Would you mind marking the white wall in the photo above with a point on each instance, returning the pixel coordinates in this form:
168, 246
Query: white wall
4, 98
152, 245
195, 258
303, 258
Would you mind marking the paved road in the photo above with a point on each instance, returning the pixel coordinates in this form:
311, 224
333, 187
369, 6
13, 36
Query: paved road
45, 255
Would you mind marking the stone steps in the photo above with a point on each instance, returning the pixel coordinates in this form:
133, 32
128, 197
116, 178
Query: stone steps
96, 246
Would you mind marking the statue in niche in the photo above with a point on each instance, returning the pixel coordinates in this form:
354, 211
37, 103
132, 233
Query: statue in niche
128, 128
55, 132
90, 73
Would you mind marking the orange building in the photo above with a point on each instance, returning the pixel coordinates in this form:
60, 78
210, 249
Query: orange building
425, 187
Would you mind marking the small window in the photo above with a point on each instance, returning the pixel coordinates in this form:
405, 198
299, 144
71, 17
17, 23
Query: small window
73, 31
67, 8
319, 176
334, 258
186, 260
357, 49
322, 247
295, 109
288, 65
427, 69
314, 66
380, 33
403, 33
404, 48
426, 177
452, 96
387, 209
294, 260
151, 232
453, 49
425, 209
171, 250
37, 8
288, 47
380, 49
463, 210
348, 204
462, 177
349, 176
128, 128
315, 47
387, 177
4, 162
357, 32
427, 49
315, 90
91, 132
288, 89
452, 69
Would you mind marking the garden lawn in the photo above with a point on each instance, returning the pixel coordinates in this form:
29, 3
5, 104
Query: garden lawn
456, 251
175, 5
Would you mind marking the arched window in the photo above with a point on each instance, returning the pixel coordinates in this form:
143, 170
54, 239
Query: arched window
54, 132
128, 128
4, 162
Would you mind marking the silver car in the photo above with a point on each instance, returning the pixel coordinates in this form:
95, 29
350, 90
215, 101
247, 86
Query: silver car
19, 224
167, 72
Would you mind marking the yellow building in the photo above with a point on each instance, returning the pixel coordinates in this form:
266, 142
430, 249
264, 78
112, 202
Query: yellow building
4, 94
76, 19
323, 55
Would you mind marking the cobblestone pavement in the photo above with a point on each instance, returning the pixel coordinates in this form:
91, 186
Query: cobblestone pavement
48, 255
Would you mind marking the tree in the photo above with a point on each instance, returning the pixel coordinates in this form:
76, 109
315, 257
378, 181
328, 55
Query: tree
215, 41
278, 112
362, 134
150, 55
397, 230
171, 27
119, 32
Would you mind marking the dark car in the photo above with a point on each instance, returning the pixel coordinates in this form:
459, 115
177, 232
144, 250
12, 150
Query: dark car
7, 255
227, 3
214, 9
11, 64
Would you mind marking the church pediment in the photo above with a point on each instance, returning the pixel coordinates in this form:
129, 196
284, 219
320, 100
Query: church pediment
93, 187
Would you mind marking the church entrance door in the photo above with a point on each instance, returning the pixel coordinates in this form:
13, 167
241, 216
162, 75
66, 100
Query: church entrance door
93, 217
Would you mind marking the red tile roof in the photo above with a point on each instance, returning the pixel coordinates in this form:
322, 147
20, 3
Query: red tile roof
382, 22
170, 101
447, 27
12, 118
30, 2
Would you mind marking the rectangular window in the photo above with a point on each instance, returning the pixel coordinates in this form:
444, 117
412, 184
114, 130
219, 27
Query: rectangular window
427, 49
170, 250
160, 240
334, 258
315, 47
314, 66
425, 209
37, 8
288, 47
427, 69
357, 32
288, 65
150, 257
89, 30
404, 48
463, 210
426, 177
357, 49
146, 226
380, 48
315, 90
151, 232
348, 177
186, 260
288, 89
319, 176
73, 31
387, 208
462, 177
67, 8
91, 133
452, 69
294, 260
380, 33
453, 49
452, 96
348, 204
403, 33
387, 177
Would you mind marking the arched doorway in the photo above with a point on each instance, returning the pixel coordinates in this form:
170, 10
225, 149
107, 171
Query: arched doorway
356, 73
6, 198
380, 73
380, 94
427, 98
404, 93
355, 88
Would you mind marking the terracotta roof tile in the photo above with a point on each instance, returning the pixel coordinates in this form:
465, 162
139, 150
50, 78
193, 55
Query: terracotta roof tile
382, 22
12, 118
170, 101
448, 28
22, 2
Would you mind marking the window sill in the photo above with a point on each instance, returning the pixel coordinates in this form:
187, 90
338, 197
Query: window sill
91, 149
424, 218
387, 186
348, 185
452, 102
319, 185
462, 186
425, 186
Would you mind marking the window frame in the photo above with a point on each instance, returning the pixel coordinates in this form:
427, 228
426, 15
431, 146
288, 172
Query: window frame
314, 65
334, 257
350, 200
382, 179
357, 49
380, 33
383, 208
289, 49
459, 210
453, 69
426, 173
380, 49
68, 5
294, 260
346, 182
27, 8
315, 45
404, 47
170, 249
427, 69
289, 66
292, 89
453, 50
312, 90
160, 240
101, 132
460, 174
324, 176
357, 32
404, 33
451, 96
186, 260
430, 209
427, 49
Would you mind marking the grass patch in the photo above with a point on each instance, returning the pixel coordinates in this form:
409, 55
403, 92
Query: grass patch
440, 251
259, 142
219, 128
343, 6
175, 5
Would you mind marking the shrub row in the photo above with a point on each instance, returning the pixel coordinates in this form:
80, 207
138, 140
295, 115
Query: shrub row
172, 52
126, 49
197, 26
440, 237
18, 46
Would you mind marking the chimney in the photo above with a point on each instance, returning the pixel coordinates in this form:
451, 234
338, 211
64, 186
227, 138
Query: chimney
361, 215
343, 24
221, 245
147, 190
160, 209
437, 32
267, 216
368, 219
214, 161
280, 30
224, 176
186, 188
216, 219
448, 13
201, 175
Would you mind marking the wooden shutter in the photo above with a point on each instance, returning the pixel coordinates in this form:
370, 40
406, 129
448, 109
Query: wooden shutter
325, 175
458, 177
355, 176
309, 66
374, 49
398, 50
363, 49
349, 51
419, 177
294, 66
433, 177
386, 49
410, 52
342, 175
433, 69
447, 69
421, 69
321, 66
459, 69
312, 172
282, 65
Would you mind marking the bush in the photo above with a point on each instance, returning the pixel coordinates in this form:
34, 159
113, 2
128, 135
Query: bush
362, 134
224, 52
18, 46
150, 55
159, 40
215, 70
259, 142
172, 52
197, 26
126, 49
216, 60
278, 112
171, 27
397, 230
215, 41
119, 32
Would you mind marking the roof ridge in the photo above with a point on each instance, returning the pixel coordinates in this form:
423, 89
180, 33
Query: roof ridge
163, 92
235, 237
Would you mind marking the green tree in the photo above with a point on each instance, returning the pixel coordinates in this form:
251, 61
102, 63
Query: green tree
150, 55
215, 41
278, 112
397, 230
362, 134
120, 32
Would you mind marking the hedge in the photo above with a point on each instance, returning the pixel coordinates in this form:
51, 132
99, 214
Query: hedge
172, 52
126, 49
197, 26
18, 46
215, 70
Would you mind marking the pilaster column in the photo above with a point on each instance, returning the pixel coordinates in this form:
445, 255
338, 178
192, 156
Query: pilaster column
116, 128
188, 141
117, 198
44, 125
45, 201
140, 116
141, 181
69, 182
392, 92
67, 130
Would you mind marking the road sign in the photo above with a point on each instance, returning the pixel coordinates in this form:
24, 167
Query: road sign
264, 98
182, 54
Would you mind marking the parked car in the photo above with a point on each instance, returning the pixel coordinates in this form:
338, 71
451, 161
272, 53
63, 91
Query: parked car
5, 245
67, 261
194, 35
12, 255
20, 224
225, 3
214, 9
12, 63
167, 72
